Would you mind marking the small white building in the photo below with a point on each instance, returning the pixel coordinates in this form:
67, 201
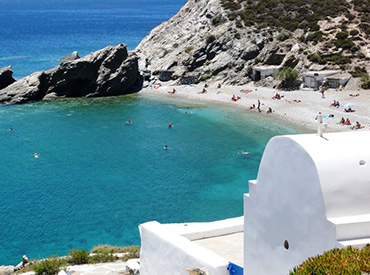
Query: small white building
337, 80
261, 72
314, 79
311, 195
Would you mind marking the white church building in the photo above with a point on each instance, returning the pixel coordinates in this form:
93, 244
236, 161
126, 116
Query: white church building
311, 194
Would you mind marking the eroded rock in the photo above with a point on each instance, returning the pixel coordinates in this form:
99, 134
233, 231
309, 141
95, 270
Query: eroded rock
6, 77
107, 72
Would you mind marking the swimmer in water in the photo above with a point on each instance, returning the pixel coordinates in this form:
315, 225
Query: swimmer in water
10, 129
36, 155
245, 153
128, 122
165, 147
170, 125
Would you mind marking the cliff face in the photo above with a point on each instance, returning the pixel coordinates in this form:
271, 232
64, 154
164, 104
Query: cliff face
107, 72
222, 39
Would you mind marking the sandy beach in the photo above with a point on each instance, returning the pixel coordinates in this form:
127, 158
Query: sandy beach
300, 107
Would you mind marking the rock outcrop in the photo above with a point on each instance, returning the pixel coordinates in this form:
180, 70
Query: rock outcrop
6, 77
107, 72
6, 270
70, 57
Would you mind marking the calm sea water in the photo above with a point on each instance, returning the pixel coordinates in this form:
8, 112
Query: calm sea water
36, 34
96, 178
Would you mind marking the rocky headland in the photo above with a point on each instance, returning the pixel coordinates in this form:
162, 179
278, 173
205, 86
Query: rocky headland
107, 72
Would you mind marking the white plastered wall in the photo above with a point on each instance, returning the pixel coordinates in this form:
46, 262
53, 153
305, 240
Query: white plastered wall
165, 252
286, 204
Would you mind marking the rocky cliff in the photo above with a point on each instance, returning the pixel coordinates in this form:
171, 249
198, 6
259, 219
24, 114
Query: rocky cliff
222, 39
107, 72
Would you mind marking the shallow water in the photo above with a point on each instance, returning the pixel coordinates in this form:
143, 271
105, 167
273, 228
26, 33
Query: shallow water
97, 178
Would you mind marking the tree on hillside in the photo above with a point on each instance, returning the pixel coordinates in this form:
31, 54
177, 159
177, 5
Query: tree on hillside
288, 76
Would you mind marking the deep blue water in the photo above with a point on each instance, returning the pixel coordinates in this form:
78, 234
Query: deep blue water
96, 178
34, 35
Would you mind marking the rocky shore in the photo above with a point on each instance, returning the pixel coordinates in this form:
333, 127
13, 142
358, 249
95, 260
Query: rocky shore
108, 72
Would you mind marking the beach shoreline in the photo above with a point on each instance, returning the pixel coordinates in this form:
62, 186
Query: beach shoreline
299, 107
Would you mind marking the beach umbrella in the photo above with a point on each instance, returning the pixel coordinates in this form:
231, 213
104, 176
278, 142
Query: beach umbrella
349, 105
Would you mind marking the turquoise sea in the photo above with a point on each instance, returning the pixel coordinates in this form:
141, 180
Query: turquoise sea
97, 178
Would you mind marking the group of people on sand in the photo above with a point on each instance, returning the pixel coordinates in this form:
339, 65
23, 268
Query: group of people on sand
347, 122
335, 104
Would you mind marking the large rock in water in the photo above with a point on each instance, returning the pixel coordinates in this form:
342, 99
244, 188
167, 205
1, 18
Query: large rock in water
107, 72
6, 77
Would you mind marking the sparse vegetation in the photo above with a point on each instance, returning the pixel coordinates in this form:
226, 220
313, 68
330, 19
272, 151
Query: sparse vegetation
78, 256
290, 15
336, 261
288, 76
50, 266
210, 38
189, 49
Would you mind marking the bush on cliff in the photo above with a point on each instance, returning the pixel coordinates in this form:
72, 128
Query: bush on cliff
50, 266
78, 256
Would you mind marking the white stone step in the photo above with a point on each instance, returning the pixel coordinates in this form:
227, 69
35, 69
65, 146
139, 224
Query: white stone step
352, 227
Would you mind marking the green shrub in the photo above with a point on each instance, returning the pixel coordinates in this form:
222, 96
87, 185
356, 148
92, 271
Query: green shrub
210, 39
237, 35
288, 76
282, 36
78, 256
314, 57
354, 32
50, 266
358, 71
336, 261
217, 20
131, 253
365, 79
175, 45
189, 49
341, 35
102, 257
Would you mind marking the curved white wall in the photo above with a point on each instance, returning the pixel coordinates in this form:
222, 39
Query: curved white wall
285, 204
344, 182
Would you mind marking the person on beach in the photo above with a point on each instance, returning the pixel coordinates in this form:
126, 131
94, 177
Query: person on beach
357, 126
173, 91
259, 106
342, 121
219, 86
206, 86
252, 107
322, 91
269, 111
348, 122
203, 91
